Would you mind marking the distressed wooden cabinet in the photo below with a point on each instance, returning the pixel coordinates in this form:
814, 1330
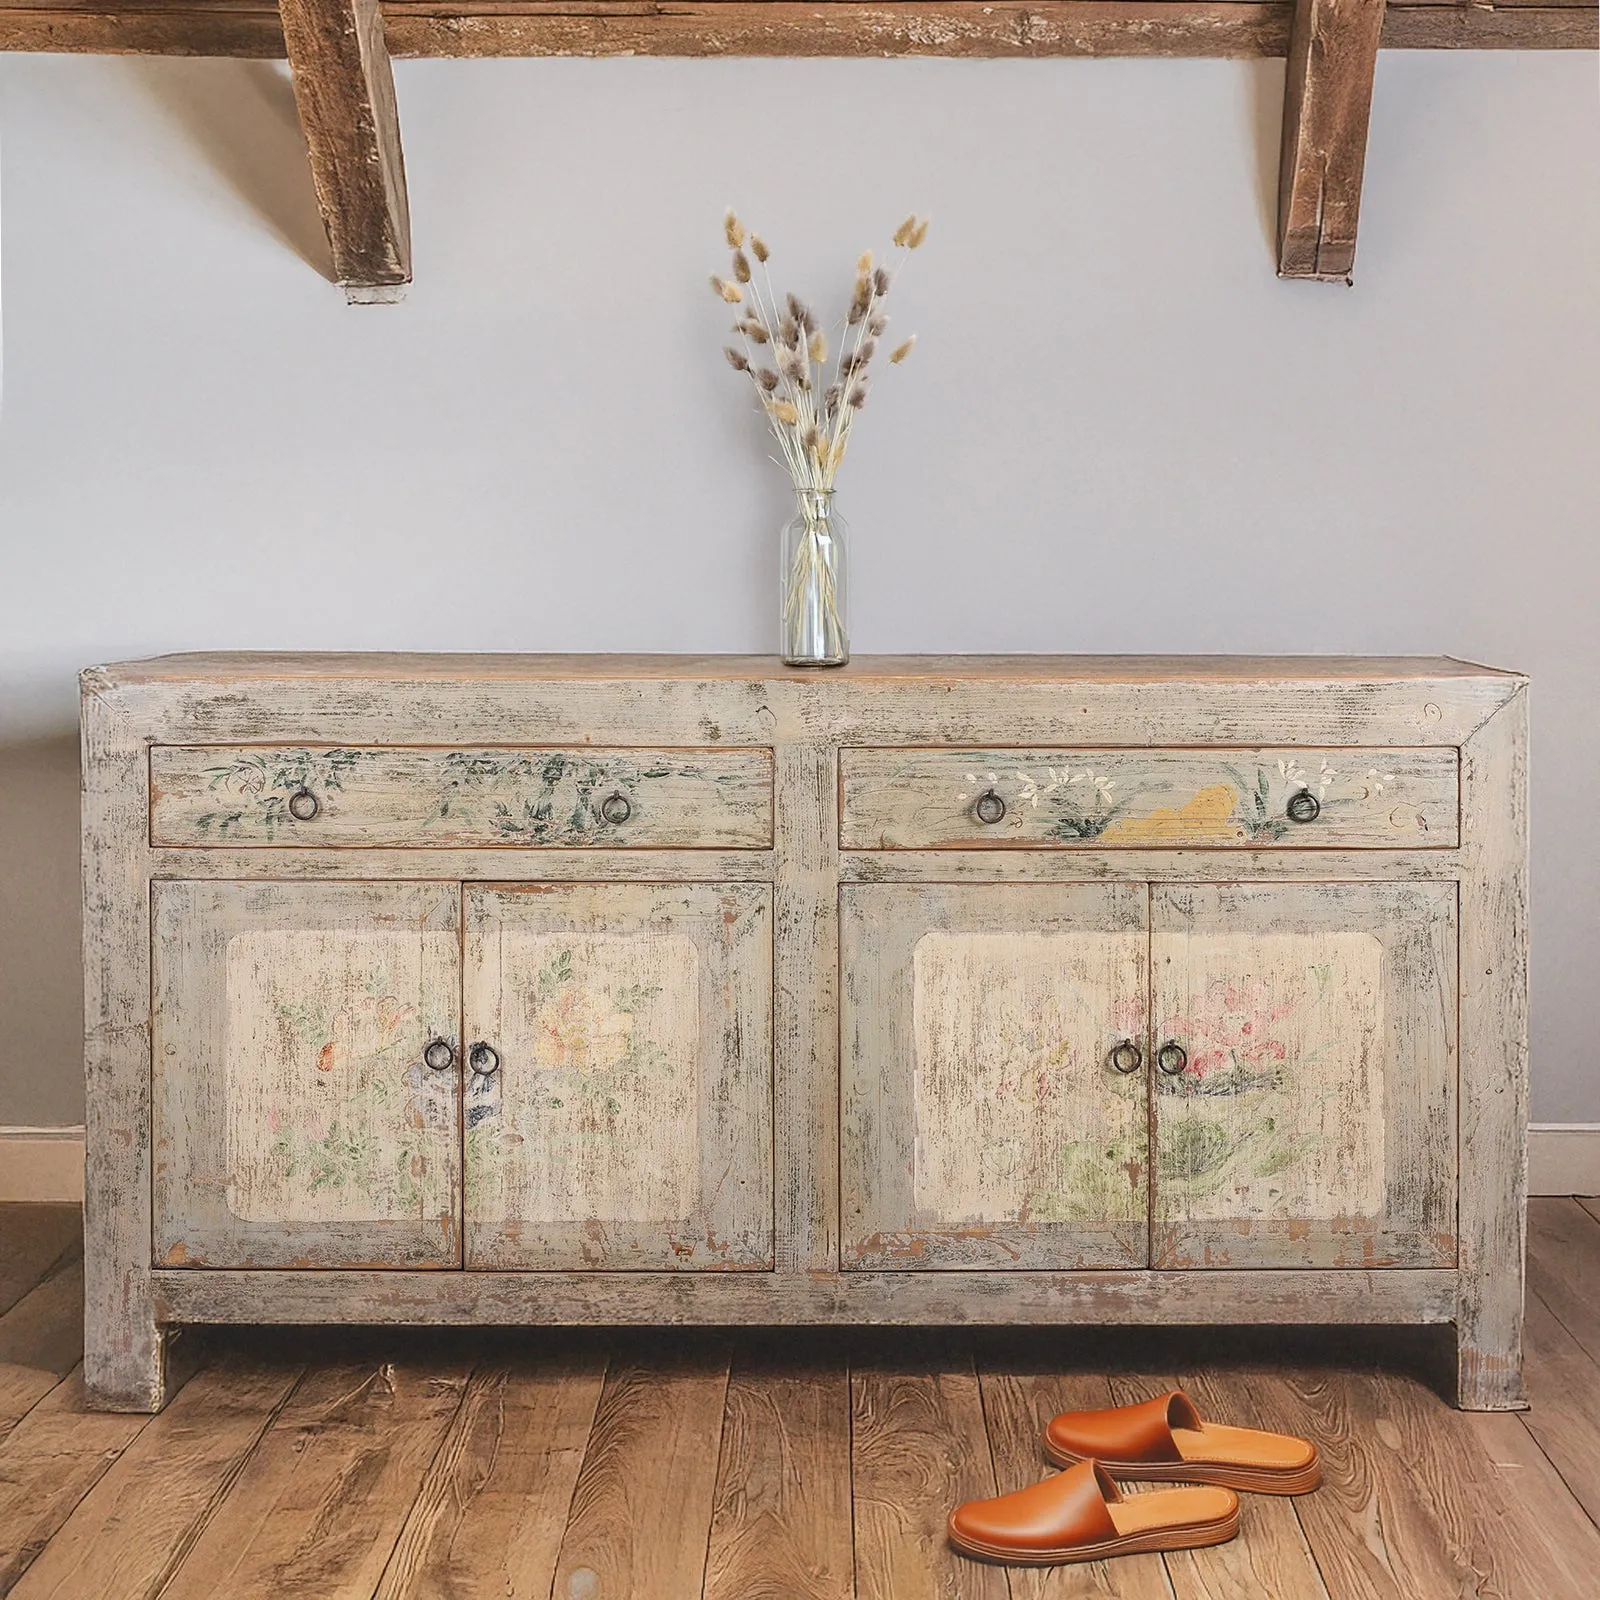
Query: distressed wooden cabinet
1038, 989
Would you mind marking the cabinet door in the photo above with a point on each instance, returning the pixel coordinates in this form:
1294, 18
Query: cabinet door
619, 1100
296, 1119
984, 1123
1307, 1117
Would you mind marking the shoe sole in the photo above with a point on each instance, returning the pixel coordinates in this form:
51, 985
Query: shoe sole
1184, 1536
1263, 1480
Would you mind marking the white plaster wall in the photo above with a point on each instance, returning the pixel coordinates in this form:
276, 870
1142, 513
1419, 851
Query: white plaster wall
1119, 431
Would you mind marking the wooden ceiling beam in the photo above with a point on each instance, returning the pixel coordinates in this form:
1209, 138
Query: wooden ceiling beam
1327, 99
344, 88
462, 28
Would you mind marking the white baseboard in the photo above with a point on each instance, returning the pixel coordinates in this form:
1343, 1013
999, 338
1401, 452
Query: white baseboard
1564, 1158
47, 1163
41, 1164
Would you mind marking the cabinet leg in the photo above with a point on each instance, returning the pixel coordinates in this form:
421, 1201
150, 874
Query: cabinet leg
139, 1365
1489, 1370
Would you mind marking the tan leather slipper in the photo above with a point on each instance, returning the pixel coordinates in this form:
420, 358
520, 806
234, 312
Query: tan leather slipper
1081, 1515
1164, 1438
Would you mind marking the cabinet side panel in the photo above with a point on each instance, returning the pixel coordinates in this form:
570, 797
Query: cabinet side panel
1494, 1062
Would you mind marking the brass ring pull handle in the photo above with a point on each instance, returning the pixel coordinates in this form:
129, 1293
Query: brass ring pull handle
1126, 1057
616, 808
1303, 806
439, 1055
1172, 1058
989, 808
303, 805
484, 1059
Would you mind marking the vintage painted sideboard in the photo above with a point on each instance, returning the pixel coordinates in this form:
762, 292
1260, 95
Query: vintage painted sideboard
534, 989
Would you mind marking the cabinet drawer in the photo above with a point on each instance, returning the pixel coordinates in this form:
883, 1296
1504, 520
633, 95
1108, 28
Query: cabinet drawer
919, 799
303, 795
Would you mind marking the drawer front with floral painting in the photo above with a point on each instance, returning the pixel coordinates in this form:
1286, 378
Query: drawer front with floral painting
921, 799
417, 797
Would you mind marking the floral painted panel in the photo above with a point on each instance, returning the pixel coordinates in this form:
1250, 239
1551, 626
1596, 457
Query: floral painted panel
625, 1117
294, 1121
1016, 1117
421, 797
1118, 799
1280, 1110
983, 1123
1310, 1119
331, 1113
594, 1116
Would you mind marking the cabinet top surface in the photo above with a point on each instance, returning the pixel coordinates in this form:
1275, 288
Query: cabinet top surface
379, 667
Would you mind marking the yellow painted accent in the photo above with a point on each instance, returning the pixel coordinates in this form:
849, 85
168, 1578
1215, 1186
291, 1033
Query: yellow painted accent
1205, 819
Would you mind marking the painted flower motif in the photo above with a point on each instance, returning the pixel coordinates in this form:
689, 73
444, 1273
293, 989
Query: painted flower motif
1231, 1027
366, 1029
1325, 776
1376, 781
579, 1030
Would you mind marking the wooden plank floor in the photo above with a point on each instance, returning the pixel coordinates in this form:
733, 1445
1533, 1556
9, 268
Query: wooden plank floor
772, 1465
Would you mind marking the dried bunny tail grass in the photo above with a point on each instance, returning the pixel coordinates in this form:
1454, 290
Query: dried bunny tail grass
876, 327
880, 281
836, 455
731, 292
741, 266
864, 264
758, 247
733, 230
738, 362
789, 332
816, 445
901, 351
861, 300
918, 234
832, 399
858, 397
767, 378
902, 234
752, 328
784, 411
818, 348
793, 366
797, 311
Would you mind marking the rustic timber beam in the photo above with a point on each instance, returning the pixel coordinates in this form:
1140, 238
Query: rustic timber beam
1236, 28
344, 88
1327, 97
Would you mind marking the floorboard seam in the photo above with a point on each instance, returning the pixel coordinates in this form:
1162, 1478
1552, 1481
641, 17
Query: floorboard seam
192, 1535
716, 1477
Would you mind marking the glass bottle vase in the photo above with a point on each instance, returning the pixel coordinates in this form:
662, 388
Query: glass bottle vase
813, 583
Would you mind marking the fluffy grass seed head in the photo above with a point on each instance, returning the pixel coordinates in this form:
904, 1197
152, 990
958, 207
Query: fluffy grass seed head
785, 412
736, 360
758, 247
902, 350
731, 292
767, 378
741, 266
753, 329
733, 229
864, 264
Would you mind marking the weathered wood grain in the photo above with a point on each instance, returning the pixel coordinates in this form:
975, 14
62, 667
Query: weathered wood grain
493, 1504
418, 798
780, 1523
918, 1450
805, 1008
628, 1122
481, 864
132, 1530
641, 1509
924, 799
35, 1240
1146, 866
1564, 1267
1271, 1556
1492, 1213
1018, 1402
345, 91
297, 1121
326, 1491
1564, 1414
981, 1121
767, 1298
909, 27
1313, 1121
125, 1353
48, 1462
1333, 50
1413, 1503
41, 1341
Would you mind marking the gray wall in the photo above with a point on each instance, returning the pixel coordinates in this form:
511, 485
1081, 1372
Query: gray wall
1119, 433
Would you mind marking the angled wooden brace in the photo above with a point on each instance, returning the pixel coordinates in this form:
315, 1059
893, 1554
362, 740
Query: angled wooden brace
344, 88
1327, 96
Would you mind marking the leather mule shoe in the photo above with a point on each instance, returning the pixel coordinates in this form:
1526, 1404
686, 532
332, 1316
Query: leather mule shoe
1081, 1515
1164, 1439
